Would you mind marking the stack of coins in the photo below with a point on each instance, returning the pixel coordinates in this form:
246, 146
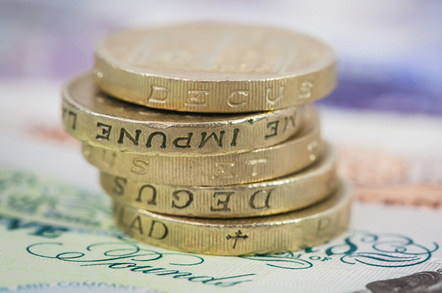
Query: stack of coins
201, 140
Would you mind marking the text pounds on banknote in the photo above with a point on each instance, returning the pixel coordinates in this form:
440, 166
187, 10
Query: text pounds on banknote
94, 117
281, 195
284, 232
209, 67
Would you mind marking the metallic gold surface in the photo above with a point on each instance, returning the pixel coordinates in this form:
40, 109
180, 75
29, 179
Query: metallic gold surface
216, 169
286, 194
210, 67
93, 117
285, 232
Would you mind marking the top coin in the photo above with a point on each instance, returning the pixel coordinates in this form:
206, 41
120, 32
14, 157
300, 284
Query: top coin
215, 68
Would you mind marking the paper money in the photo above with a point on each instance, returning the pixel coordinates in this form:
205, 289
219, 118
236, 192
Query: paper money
75, 256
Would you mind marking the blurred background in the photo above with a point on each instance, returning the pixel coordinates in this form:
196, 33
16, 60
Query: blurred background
390, 52
385, 116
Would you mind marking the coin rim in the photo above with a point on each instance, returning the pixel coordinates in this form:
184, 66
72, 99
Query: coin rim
323, 168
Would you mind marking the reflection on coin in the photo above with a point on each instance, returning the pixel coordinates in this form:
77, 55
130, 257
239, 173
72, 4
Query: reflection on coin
291, 231
289, 193
214, 67
95, 118
217, 169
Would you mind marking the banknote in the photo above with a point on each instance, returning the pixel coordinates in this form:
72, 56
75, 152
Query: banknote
39, 254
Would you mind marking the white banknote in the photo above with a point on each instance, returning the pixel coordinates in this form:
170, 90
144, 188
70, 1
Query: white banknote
57, 234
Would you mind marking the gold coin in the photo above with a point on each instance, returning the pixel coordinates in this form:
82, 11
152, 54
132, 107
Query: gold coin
213, 67
286, 194
215, 169
93, 117
290, 231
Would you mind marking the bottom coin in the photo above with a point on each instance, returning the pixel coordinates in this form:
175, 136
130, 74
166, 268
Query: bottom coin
283, 232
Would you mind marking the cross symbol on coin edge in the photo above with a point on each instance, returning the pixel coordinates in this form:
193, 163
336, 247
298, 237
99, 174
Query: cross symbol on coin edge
238, 235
